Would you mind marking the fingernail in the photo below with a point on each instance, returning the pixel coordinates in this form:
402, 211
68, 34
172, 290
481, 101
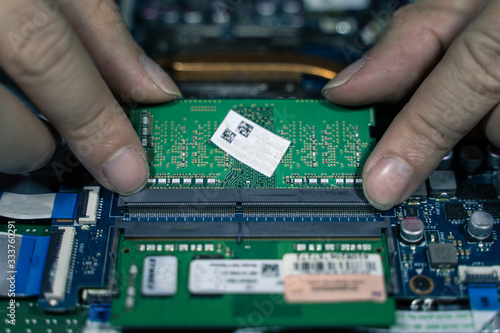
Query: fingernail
159, 77
126, 171
387, 182
344, 75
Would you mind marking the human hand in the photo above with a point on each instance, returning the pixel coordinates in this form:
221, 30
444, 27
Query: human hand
450, 49
68, 56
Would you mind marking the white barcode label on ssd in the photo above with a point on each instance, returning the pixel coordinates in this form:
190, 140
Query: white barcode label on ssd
332, 263
250, 143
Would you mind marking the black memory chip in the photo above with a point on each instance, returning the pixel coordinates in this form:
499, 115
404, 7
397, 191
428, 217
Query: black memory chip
493, 208
411, 211
455, 211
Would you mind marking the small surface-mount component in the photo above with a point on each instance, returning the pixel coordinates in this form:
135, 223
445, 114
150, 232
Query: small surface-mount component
411, 230
455, 211
442, 255
480, 225
411, 211
493, 208
443, 182
471, 158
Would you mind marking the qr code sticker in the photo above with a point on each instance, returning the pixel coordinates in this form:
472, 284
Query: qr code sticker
270, 270
244, 129
228, 135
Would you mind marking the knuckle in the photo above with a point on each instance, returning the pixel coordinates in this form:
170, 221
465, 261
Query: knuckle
437, 131
43, 53
106, 14
491, 127
401, 16
482, 61
101, 128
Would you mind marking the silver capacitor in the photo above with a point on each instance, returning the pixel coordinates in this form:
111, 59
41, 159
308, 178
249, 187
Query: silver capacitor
480, 225
446, 161
471, 158
493, 156
411, 230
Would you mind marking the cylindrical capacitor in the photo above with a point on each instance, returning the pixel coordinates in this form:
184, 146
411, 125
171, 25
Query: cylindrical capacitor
446, 161
411, 230
493, 156
480, 225
471, 158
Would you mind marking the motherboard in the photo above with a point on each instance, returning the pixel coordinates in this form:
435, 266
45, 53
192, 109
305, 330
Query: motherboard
213, 242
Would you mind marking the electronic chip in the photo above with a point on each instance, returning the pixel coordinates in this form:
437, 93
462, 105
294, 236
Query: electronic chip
411, 211
493, 208
442, 255
455, 211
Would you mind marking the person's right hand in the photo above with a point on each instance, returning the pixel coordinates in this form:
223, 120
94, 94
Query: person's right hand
68, 56
450, 50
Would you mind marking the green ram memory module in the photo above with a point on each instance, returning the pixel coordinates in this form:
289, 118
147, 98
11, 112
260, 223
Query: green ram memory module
328, 143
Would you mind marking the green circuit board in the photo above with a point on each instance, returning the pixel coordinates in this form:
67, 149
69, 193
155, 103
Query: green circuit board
180, 307
328, 143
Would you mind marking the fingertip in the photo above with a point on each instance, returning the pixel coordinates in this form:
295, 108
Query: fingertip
491, 125
386, 183
160, 78
126, 171
44, 158
343, 76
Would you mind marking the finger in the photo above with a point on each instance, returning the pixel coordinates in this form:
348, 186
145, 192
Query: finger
460, 91
124, 66
26, 143
43, 55
493, 125
415, 40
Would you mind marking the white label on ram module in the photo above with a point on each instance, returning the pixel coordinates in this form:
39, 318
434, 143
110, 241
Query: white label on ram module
250, 143
159, 276
219, 276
